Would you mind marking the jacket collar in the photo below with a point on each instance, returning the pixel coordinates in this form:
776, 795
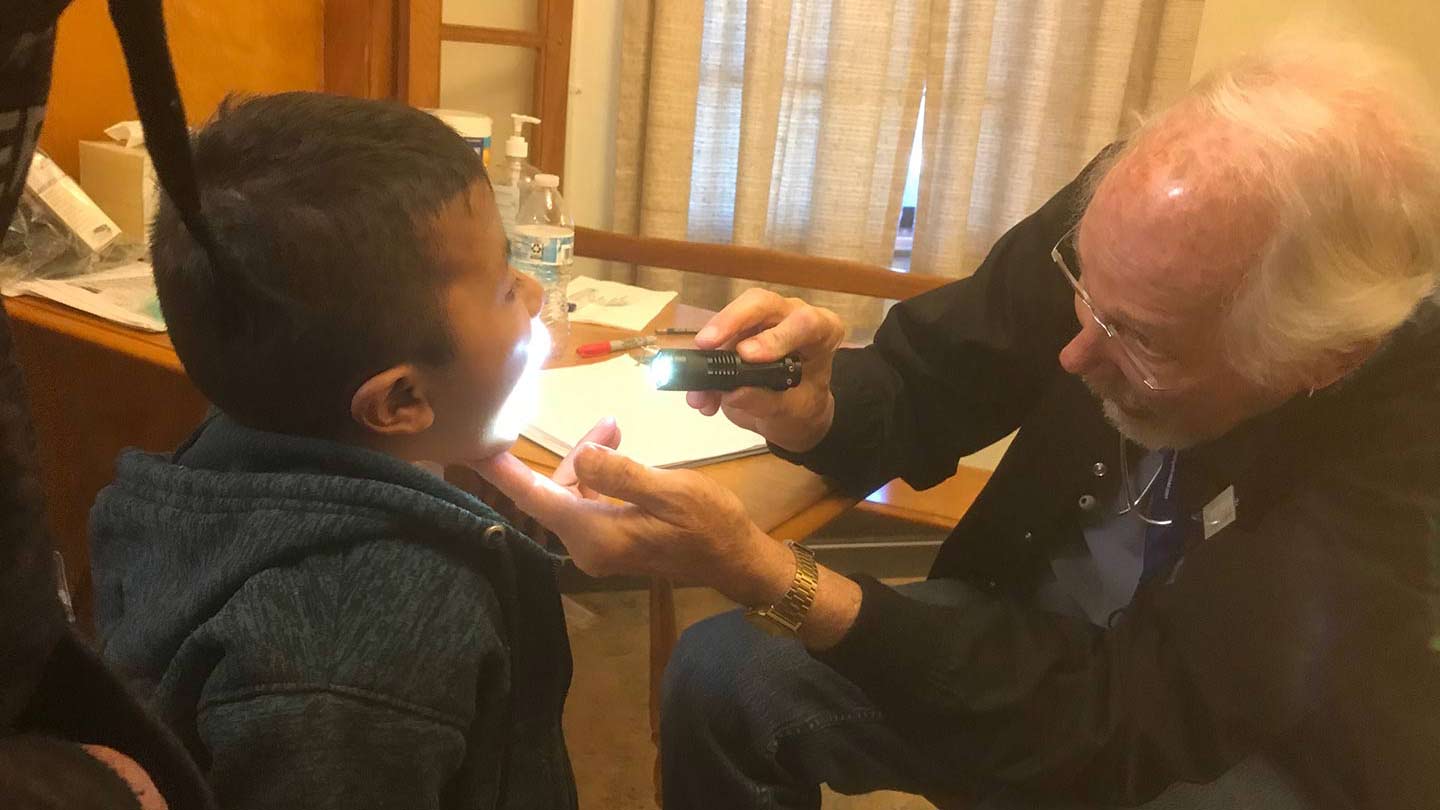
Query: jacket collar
222, 444
1303, 434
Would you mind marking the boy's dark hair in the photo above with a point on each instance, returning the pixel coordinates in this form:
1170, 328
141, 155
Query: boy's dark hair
322, 207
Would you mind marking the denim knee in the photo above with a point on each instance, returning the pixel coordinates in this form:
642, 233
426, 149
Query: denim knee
704, 679
713, 716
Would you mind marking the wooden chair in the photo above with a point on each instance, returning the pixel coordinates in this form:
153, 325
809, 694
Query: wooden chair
754, 264
940, 506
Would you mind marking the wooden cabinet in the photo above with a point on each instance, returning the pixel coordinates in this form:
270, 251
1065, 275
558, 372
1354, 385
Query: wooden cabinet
95, 389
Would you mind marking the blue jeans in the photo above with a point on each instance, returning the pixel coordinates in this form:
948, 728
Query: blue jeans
752, 721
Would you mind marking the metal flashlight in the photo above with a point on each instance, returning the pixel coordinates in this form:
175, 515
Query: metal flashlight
718, 370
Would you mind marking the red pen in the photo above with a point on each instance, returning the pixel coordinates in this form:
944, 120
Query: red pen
612, 346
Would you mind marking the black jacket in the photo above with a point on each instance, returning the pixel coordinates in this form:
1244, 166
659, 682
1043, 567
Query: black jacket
329, 627
1308, 629
51, 683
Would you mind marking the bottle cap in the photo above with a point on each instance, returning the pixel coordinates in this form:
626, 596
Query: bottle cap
547, 181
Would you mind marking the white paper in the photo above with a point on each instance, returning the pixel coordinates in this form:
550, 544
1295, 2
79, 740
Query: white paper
66, 200
126, 133
610, 303
124, 294
657, 428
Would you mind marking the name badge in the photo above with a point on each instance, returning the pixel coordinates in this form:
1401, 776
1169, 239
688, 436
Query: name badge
1220, 512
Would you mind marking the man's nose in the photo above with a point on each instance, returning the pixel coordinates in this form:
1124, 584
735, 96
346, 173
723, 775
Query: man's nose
1084, 351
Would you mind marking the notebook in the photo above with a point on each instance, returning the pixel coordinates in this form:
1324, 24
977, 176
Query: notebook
657, 428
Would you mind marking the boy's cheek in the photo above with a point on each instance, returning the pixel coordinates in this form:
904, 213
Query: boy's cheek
498, 393
474, 439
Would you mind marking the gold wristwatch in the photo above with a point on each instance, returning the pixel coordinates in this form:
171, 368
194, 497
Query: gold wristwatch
785, 617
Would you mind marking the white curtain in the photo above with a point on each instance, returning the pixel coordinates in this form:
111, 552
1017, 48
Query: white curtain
1020, 95
789, 123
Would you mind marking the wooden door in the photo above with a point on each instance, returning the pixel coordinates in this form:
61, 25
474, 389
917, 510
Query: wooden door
422, 32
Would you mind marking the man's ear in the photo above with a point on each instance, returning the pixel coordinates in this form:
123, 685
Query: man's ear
1339, 364
395, 402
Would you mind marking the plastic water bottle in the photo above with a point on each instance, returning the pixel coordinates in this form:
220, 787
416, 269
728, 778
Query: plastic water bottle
543, 247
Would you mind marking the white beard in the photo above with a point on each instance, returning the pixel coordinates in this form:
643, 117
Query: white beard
1152, 435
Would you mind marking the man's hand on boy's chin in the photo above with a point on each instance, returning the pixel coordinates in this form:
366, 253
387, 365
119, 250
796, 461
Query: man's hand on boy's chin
676, 524
605, 433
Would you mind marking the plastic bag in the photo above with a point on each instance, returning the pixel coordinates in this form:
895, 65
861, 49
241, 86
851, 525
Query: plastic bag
40, 241
36, 244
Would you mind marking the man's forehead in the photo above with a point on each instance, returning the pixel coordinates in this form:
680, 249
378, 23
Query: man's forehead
1178, 217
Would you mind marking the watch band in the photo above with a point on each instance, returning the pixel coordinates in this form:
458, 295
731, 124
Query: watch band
785, 616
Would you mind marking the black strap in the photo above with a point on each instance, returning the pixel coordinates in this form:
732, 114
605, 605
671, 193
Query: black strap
141, 25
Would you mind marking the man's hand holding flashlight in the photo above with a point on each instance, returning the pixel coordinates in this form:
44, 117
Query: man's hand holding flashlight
764, 327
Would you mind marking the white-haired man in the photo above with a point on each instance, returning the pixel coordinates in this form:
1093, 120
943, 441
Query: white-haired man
1208, 568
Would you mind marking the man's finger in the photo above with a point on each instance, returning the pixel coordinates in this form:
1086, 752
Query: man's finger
705, 402
605, 432
801, 330
533, 493
754, 401
610, 473
756, 308
739, 418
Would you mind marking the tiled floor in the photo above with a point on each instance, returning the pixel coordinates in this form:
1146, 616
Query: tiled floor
606, 719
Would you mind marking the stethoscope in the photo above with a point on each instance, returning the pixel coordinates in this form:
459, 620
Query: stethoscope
1133, 501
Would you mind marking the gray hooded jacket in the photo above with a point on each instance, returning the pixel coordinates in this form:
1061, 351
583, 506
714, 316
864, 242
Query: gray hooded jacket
326, 626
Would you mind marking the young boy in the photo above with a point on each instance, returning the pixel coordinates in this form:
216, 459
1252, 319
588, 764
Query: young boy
325, 624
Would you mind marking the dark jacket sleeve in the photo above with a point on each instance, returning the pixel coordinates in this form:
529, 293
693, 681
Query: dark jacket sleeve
955, 369
353, 681
329, 748
31, 620
1264, 627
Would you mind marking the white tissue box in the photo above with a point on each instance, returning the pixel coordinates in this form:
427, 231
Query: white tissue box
121, 180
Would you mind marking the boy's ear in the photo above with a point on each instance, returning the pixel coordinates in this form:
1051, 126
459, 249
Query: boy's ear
393, 403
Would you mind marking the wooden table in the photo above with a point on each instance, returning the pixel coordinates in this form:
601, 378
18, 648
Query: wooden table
98, 387
95, 388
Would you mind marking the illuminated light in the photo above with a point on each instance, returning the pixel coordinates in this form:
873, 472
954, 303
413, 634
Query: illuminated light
662, 370
1175, 191
523, 401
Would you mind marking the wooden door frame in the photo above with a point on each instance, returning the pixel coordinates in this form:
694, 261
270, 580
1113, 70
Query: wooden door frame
359, 48
391, 49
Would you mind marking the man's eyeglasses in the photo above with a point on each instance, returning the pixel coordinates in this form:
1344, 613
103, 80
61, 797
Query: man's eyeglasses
1132, 355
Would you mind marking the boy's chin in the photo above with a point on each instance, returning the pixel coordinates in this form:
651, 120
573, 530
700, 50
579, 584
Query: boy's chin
466, 456
491, 446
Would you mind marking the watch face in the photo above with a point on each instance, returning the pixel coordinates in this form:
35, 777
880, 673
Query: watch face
768, 625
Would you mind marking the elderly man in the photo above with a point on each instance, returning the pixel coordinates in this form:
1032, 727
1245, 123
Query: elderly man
1208, 568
